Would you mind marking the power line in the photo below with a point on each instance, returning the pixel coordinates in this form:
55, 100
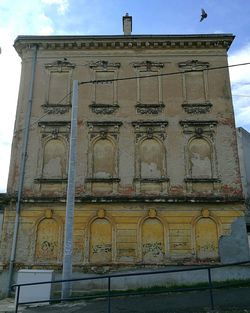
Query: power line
103, 81
47, 113
246, 96
135, 77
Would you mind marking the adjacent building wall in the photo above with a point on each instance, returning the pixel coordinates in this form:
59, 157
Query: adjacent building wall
243, 139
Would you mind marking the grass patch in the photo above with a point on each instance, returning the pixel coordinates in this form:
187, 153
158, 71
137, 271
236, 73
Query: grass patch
91, 294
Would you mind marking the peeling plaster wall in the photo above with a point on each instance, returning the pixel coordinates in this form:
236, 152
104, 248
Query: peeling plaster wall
157, 174
110, 233
1, 221
234, 247
162, 99
243, 140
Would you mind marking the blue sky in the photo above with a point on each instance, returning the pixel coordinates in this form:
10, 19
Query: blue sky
98, 17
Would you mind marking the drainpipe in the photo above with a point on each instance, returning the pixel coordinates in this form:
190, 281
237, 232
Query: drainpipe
23, 158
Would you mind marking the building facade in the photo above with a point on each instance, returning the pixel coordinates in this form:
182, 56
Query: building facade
157, 174
243, 140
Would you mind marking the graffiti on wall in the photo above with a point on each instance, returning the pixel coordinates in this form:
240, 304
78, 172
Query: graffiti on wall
152, 241
100, 241
47, 246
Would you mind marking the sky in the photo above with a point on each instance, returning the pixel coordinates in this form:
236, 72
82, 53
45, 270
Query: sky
99, 17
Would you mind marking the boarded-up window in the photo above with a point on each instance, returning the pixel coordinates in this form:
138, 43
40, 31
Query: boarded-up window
195, 87
104, 91
58, 87
149, 88
54, 161
151, 156
47, 243
200, 159
100, 241
103, 159
206, 238
152, 241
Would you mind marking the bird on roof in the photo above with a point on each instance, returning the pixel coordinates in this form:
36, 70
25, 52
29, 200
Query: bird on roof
203, 15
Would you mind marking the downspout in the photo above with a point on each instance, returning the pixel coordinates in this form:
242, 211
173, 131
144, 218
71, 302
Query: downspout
23, 158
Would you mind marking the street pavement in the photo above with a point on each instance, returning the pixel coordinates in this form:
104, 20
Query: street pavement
182, 302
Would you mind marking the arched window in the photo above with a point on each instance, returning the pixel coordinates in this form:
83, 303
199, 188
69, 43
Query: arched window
100, 241
152, 241
151, 159
54, 159
103, 159
200, 158
47, 241
206, 239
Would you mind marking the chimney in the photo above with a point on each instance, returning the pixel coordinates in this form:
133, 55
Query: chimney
127, 24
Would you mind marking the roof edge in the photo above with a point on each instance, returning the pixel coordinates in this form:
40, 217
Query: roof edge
221, 41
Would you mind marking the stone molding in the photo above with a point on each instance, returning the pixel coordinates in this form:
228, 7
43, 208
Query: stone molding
151, 180
103, 108
211, 41
52, 198
197, 108
214, 183
150, 129
51, 180
60, 65
198, 127
193, 65
148, 65
104, 65
202, 180
55, 128
102, 180
56, 109
149, 108
104, 128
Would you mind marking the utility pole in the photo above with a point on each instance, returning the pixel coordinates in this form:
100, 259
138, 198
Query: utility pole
69, 219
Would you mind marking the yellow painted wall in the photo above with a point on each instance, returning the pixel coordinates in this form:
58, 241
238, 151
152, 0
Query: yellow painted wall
122, 234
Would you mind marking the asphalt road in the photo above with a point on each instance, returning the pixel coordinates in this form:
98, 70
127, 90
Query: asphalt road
188, 302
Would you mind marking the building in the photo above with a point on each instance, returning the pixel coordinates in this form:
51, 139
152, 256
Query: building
243, 140
158, 178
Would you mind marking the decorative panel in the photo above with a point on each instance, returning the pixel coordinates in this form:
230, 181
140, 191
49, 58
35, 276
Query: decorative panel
152, 241
200, 158
54, 159
103, 159
59, 81
103, 173
47, 243
150, 159
195, 87
149, 87
104, 90
206, 238
52, 164
100, 241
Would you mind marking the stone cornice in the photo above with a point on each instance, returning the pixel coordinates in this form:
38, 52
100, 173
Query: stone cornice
201, 41
131, 199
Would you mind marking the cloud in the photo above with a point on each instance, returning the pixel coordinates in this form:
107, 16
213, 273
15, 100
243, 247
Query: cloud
9, 81
62, 5
46, 26
17, 18
240, 81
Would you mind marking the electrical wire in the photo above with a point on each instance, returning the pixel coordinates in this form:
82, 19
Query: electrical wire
47, 113
246, 96
103, 81
135, 77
